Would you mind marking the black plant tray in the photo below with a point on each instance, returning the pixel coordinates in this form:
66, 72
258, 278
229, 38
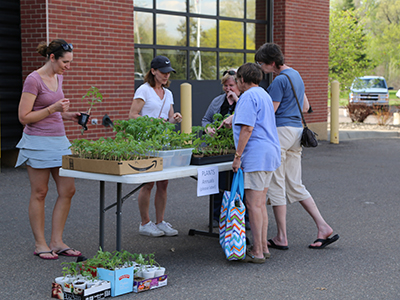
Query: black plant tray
211, 159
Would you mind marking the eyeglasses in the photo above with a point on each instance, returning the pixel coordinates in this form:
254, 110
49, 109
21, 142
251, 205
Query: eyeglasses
230, 72
66, 47
259, 64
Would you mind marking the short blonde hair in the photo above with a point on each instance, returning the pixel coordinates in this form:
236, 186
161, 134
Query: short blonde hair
227, 75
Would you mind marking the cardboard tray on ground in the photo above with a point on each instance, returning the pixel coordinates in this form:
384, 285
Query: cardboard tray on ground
72, 162
204, 160
67, 292
141, 285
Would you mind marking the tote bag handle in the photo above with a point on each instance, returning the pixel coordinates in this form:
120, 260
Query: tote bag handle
237, 185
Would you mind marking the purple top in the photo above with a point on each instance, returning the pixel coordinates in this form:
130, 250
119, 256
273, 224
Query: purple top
52, 125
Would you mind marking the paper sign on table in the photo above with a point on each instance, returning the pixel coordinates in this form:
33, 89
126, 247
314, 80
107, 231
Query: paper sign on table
207, 181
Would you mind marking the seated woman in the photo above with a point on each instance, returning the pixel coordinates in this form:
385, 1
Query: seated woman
223, 104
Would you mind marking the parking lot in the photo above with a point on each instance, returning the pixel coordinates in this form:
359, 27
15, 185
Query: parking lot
355, 185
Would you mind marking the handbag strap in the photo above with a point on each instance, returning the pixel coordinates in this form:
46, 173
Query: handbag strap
297, 99
161, 108
237, 185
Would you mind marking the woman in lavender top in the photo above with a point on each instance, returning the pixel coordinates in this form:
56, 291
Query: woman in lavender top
42, 110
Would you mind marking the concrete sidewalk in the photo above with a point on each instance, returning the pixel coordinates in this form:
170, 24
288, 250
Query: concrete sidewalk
354, 183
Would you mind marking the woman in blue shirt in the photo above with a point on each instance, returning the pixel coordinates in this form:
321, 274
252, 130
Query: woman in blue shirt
257, 153
286, 182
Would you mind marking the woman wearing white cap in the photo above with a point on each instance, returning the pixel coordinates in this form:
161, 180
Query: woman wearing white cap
153, 99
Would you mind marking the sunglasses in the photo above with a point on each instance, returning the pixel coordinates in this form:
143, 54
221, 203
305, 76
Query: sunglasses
66, 47
230, 72
259, 64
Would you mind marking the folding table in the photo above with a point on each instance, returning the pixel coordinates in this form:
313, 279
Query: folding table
141, 179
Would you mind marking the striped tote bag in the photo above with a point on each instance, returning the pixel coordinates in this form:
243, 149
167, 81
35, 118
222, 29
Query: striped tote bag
232, 231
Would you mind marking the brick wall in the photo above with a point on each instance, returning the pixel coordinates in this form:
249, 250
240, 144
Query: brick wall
102, 35
301, 28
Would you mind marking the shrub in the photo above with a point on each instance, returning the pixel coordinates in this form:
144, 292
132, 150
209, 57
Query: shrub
359, 112
382, 114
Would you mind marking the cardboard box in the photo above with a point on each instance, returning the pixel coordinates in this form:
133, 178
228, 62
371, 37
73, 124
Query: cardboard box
121, 280
149, 284
67, 292
71, 162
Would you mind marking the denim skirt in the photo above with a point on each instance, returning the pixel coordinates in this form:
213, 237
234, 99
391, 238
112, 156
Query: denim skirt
42, 152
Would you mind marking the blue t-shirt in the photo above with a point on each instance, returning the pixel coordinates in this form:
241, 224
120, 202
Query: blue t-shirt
262, 152
280, 90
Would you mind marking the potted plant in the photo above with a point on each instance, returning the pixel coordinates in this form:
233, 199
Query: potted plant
116, 267
92, 96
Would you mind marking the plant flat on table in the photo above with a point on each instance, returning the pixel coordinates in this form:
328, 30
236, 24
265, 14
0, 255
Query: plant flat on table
221, 143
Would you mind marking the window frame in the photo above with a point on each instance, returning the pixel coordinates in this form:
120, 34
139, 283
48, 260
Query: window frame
188, 15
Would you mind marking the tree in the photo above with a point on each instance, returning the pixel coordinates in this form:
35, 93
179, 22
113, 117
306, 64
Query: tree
384, 29
347, 47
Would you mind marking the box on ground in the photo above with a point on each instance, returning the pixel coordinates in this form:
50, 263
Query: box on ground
121, 280
67, 292
174, 158
149, 284
71, 162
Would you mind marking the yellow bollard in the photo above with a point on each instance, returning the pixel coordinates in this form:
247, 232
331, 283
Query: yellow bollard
186, 107
335, 112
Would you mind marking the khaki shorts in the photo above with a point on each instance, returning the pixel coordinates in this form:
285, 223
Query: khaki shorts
257, 181
286, 181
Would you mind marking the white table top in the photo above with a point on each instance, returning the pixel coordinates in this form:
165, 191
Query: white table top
169, 173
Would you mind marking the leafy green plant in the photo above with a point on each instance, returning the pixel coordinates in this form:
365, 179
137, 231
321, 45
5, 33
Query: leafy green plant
71, 268
220, 143
92, 97
112, 260
116, 149
161, 133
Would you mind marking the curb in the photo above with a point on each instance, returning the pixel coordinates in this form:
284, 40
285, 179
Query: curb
345, 135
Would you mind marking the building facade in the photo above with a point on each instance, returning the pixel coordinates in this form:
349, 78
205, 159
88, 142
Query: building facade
114, 42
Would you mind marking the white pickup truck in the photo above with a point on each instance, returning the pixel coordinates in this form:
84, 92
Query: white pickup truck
370, 90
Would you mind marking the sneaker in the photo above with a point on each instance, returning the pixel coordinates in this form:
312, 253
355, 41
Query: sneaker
167, 228
150, 229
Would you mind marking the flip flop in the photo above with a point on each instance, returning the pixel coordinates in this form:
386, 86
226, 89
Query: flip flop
63, 252
45, 257
275, 246
324, 242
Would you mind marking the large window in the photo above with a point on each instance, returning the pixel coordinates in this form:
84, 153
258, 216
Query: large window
202, 38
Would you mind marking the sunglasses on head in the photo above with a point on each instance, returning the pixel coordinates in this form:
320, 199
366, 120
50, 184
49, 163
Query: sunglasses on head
66, 47
230, 72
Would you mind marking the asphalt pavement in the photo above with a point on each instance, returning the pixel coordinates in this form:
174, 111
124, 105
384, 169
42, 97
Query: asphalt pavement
354, 183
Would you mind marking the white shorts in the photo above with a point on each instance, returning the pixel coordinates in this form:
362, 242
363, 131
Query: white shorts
257, 181
286, 181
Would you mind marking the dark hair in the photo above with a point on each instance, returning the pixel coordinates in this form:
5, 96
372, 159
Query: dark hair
149, 78
269, 53
54, 47
250, 73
